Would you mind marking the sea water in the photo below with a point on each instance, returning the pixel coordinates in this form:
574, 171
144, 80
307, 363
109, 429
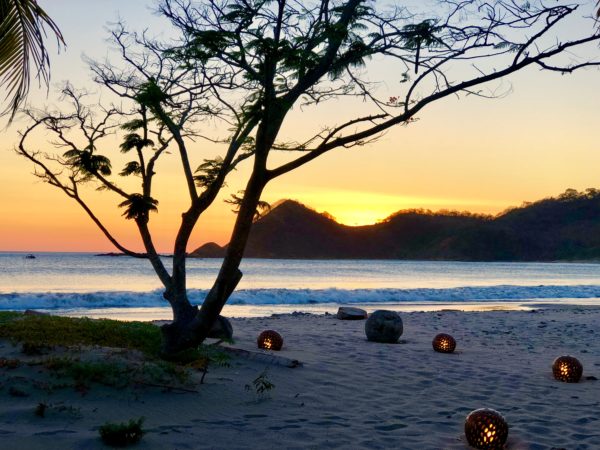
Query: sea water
105, 286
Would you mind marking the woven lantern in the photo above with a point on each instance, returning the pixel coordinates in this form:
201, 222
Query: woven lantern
567, 368
486, 429
270, 340
444, 343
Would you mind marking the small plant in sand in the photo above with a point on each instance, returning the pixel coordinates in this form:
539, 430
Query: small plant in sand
122, 434
212, 354
261, 384
86, 372
202, 357
40, 409
216, 356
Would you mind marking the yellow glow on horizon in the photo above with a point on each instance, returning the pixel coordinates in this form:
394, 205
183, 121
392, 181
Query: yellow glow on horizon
357, 218
356, 208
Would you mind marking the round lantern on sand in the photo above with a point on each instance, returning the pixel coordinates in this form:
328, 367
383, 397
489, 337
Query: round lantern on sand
567, 369
270, 340
444, 343
486, 429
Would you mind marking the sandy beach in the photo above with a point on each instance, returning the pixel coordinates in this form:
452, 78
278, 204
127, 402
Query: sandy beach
348, 393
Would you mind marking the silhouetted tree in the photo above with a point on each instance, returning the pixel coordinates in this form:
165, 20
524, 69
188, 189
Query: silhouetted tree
247, 64
22, 37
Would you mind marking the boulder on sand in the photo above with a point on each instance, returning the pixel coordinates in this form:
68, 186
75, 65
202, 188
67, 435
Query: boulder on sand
384, 326
222, 329
350, 313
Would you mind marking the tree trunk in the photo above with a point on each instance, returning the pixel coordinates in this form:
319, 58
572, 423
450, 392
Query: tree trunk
183, 310
188, 331
185, 332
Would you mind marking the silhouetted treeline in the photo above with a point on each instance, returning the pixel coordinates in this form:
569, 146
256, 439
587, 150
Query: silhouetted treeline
563, 228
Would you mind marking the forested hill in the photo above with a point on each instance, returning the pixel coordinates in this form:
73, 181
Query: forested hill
563, 228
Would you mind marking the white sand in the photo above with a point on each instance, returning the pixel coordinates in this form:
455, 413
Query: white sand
350, 393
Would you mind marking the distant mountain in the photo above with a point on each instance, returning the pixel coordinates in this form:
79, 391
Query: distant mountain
208, 250
562, 228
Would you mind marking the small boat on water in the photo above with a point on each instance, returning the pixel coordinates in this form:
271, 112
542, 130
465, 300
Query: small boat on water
30, 256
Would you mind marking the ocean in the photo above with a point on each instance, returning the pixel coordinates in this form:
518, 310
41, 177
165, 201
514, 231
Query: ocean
81, 284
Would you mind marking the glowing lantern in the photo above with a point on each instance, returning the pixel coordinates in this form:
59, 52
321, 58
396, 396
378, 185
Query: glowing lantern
444, 343
567, 368
486, 429
270, 340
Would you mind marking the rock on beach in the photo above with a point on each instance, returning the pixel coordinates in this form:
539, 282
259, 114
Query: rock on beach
384, 326
350, 313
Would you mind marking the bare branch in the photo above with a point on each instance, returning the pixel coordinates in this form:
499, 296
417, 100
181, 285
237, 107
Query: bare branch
53, 179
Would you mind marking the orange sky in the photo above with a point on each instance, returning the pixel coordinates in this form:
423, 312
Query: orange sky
468, 154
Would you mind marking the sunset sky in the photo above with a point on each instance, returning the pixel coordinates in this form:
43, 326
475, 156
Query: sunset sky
470, 153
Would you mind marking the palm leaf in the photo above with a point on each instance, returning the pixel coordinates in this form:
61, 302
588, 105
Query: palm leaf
87, 163
134, 140
22, 35
138, 207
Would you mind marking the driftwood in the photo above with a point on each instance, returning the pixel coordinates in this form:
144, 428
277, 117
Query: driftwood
267, 358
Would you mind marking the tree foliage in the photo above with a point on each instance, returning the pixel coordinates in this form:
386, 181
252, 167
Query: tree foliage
138, 207
87, 163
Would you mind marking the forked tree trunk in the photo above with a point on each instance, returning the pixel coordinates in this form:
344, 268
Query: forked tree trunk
191, 326
183, 310
186, 332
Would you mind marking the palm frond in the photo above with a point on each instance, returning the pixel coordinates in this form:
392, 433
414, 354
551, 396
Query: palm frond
22, 36
134, 140
138, 207
87, 163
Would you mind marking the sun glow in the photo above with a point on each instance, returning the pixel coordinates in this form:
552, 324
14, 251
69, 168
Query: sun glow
355, 208
358, 218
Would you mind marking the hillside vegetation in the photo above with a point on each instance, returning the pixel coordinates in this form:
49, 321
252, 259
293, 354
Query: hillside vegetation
566, 227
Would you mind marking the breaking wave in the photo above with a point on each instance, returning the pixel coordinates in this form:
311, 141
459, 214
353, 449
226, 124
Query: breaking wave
111, 299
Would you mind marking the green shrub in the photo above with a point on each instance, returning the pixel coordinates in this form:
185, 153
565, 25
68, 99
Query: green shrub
38, 334
122, 434
40, 409
69, 331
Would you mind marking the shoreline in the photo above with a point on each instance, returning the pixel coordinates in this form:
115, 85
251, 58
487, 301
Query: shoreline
349, 392
265, 311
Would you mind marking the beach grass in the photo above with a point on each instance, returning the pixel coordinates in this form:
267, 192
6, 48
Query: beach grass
40, 335
84, 373
122, 434
68, 331
39, 332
